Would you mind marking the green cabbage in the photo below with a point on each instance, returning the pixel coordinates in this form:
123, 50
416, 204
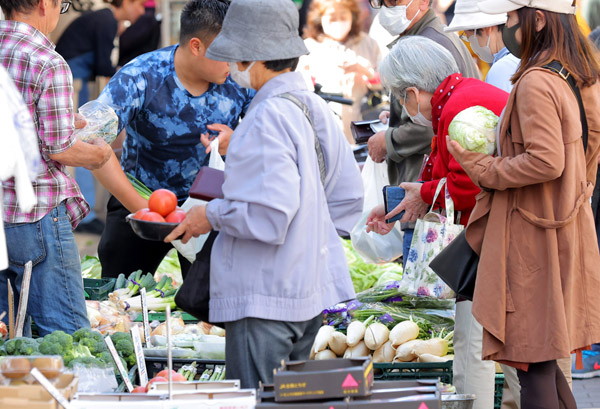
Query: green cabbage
475, 129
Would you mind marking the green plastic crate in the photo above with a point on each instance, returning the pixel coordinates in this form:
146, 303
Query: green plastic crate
98, 289
160, 316
499, 388
414, 370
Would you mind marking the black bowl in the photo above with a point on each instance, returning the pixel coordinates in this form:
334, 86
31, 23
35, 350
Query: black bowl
156, 231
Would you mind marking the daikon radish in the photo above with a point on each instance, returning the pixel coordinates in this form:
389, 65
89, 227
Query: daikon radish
355, 333
433, 346
405, 352
403, 332
322, 338
359, 350
376, 335
337, 343
434, 358
325, 354
385, 353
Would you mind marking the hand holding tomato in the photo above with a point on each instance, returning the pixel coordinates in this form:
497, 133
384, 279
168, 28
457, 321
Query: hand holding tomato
195, 224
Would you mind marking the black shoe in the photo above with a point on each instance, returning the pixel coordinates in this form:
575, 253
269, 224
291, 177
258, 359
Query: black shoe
94, 226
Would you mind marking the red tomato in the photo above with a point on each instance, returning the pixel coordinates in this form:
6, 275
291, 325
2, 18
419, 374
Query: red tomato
153, 217
155, 379
176, 216
165, 373
139, 389
140, 213
177, 377
162, 201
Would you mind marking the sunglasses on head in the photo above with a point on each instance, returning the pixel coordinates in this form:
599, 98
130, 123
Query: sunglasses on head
64, 6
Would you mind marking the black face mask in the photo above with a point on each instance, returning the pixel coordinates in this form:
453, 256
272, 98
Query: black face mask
510, 39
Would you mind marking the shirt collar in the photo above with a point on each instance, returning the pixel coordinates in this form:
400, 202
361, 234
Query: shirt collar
500, 54
31, 32
441, 96
290, 81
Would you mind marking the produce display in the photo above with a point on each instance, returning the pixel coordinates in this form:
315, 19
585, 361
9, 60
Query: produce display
365, 275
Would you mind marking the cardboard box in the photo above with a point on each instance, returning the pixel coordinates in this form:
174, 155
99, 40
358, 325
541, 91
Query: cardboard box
20, 403
327, 379
66, 384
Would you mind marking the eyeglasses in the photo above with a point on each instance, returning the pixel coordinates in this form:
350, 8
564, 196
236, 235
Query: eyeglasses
64, 6
463, 35
377, 4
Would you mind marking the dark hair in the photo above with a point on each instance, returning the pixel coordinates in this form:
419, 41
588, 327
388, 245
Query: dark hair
116, 3
19, 6
202, 19
314, 29
280, 65
561, 40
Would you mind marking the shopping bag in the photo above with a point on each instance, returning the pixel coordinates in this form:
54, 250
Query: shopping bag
374, 247
432, 234
195, 244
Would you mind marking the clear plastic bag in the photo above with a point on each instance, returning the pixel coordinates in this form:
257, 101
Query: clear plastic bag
373, 247
102, 122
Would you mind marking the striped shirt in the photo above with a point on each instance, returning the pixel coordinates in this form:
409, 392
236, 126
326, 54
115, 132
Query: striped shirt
44, 80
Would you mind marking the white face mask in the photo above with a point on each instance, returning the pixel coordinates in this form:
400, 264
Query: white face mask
394, 19
242, 78
485, 53
418, 119
338, 30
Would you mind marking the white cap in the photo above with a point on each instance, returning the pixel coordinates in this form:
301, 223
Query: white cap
504, 6
467, 16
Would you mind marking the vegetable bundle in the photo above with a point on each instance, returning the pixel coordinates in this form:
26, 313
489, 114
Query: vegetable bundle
365, 275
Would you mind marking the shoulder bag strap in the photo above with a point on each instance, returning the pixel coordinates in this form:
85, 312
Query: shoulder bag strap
558, 68
318, 149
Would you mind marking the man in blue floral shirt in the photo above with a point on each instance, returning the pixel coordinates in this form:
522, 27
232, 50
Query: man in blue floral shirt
166, 101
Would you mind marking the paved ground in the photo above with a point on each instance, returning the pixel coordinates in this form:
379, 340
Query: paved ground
587, 393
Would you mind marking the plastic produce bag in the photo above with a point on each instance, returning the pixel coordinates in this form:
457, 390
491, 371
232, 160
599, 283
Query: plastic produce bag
374, 247
195, 244
102, 122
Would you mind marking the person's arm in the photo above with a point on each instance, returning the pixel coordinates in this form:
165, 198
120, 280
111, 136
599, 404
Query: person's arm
86, 155
112, 177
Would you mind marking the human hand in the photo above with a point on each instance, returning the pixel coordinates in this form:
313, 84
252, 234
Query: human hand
195, 224
384, 117
377, 147
102, 155
80, 121
358, 69
224, 136
376, 221
414, 207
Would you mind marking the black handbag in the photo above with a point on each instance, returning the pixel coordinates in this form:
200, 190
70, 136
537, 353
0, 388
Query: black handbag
194, 294
457, 265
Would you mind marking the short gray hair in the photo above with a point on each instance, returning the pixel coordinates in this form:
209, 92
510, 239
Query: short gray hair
416, 61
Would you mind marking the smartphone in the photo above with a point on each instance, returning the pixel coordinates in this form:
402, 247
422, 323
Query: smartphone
392, 196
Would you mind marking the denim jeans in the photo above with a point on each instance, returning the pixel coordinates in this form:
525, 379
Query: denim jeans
408, 235
56, 297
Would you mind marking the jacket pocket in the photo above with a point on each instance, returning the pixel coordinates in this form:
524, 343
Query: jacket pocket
227, 254
25, 242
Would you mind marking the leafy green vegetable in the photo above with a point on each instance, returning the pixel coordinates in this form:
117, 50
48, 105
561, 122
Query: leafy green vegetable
56, 343
93, 340
21, 346
365, 275
475, 129
124, 346
90, 267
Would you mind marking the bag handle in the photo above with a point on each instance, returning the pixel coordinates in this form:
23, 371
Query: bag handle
448, 199
318, 149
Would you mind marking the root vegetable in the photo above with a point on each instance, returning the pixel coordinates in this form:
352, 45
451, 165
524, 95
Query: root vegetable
433, 346
405, 352
359, 350
403, 332
385, 353
434, 358
337, 343
325, 354
376, 335
355, 333
322, 338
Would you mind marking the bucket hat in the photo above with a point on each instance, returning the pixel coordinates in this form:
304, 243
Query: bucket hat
258, 30
504, 6
467, 16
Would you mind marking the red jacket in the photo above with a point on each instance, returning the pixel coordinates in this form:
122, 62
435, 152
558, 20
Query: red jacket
454, 95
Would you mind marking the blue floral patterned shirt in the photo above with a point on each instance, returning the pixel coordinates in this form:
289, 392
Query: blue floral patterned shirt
164, 121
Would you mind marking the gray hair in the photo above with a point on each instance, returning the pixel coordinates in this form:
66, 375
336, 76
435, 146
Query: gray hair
416, 61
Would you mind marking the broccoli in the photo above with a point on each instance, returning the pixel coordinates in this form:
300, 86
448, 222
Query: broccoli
88, 362
2, 351
106, 357
124, 345
21, 346
56, 343
91, 339
1, 341
78, 351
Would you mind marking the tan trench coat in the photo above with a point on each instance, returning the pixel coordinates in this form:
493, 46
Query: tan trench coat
538, 283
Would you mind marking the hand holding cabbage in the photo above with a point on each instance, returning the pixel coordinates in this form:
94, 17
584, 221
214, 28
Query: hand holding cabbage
475, 129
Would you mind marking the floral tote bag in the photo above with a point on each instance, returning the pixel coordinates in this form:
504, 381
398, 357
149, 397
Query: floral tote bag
432, 234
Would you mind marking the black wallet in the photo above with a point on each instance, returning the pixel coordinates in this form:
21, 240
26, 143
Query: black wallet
392, 196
